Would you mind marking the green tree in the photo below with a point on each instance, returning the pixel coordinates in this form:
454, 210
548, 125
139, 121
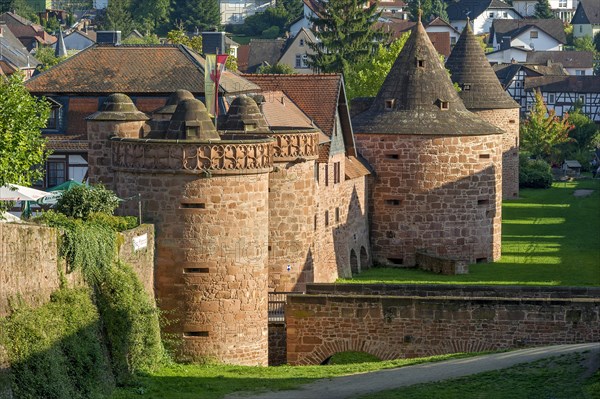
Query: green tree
429, 8
272, 17
117, 16
197, 15
346, 35
278, 69
543, 131
148, 39
365, 78
46, 56
543, 10
178, 36
294, 9
22, 148
149, 15
584, 43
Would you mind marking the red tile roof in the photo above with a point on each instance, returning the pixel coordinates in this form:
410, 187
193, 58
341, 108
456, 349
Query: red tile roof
441, 42
280, 111
355, 168
66, 143
316, 95
132, 69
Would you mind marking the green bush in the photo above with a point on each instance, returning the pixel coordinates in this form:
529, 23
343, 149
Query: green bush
55, 350
117, 223
534, 173
270, 33
81, 201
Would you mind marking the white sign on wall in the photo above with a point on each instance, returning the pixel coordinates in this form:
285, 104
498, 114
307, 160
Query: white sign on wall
140, 242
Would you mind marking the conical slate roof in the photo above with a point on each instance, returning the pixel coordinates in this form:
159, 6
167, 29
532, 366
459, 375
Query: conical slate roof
174, 99
118, 107
191, 122
417, 97
245, 115
470, 68
61, 48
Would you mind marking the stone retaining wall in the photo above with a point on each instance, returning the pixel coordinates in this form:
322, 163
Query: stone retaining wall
277, 343
389, 327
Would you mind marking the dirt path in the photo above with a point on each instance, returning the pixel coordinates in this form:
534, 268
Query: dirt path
362, 384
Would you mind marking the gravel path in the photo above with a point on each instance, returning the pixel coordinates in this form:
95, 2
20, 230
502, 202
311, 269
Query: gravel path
360, 384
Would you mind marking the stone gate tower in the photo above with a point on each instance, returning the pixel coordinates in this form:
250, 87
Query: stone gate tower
483, 95
437, 184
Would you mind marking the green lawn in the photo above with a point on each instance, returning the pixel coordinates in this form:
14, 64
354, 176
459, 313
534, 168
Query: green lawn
215, 381
562, 377
549, 237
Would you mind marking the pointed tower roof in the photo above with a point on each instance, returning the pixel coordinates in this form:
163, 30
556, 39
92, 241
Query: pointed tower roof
244, 114
417, 97
470, 68
61, 49
192, 122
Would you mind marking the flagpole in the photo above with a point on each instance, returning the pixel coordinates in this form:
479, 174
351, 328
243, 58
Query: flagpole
216, 89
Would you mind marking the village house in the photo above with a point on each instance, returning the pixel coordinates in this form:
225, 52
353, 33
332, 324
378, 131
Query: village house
29, 34
14, 56
563, 9
586, 21
78, 40
480, 13
578, 63
529, 34
564, 93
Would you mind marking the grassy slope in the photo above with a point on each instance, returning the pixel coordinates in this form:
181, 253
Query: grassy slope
556, 378
549, 237
215, 381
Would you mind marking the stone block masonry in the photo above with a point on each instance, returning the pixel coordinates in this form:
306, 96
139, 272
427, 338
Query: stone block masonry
439, 265
389, 327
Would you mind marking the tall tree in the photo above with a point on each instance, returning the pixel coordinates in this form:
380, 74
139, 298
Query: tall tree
346, 35
429, 9
365, 78
543, 131
543, 10
22, 147
150, 14
294, 9
117, 16
197, 15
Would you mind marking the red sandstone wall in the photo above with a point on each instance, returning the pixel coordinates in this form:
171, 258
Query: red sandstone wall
336, 239
398, 327
292, 204
441, 194
507, 120
211, 259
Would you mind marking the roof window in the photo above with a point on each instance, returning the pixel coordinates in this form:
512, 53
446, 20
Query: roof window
444, 105
466, 86
421, 63
389, 104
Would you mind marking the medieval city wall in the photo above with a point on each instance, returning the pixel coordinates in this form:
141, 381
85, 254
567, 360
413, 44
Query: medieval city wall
389, 327
441, 194
507, 120
30, 267
212, 221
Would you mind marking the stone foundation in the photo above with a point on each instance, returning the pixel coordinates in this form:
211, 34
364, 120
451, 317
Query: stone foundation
441, 265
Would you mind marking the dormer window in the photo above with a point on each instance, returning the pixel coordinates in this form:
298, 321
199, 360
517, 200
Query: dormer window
444, 105
389, 104
466, 86
421, 63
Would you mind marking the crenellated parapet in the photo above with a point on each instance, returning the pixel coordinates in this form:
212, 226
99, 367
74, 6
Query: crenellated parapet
251, 155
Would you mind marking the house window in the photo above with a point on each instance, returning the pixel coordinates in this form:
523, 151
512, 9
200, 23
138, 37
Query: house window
336, 172
580, 72
337, 215
304, 61
326, 175
580, 28
53, 119
582, 99
301, 42
491, 15
326, 218
562, 3
298, 60
55, 173
317, 173
551, 98
518, 84
533, 34
453, 40
505, 15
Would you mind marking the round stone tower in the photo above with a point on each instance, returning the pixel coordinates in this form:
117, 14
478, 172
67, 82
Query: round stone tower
483, 95
437, 185
292, 195
208, 198
118, 118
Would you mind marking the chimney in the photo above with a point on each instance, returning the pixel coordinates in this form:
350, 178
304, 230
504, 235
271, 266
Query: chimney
505, 44
213, 43
108, 37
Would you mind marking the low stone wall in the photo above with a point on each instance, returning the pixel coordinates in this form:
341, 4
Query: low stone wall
389, 327
441, 265
455, 290
277, 343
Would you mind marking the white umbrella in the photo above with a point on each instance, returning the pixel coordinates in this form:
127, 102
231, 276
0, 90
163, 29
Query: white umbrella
14, 192
9, 218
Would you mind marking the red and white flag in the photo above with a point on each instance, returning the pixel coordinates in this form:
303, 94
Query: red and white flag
213, 69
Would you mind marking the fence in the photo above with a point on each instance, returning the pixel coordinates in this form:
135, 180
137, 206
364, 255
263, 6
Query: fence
277, 305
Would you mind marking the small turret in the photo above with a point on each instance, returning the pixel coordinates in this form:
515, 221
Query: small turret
191, 122
244, 115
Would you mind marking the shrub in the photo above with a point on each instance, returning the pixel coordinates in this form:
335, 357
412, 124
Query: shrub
81, 201
534, 173
55, 350
118, 223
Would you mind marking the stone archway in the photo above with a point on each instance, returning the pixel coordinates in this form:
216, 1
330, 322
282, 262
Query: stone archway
364, 259
354, 268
